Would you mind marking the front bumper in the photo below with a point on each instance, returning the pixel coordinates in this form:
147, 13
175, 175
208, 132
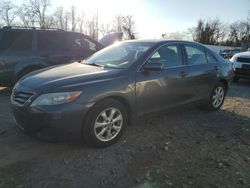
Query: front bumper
243, 72
59, 120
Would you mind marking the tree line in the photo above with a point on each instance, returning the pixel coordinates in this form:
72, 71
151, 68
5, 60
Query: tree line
36, 13
215, 32
33, 13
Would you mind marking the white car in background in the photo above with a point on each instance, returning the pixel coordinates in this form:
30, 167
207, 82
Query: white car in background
241, 65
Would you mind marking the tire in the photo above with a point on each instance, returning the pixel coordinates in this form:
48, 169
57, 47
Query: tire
100, 129
218, 93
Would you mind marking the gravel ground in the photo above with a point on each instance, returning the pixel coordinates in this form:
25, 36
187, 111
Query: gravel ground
186, 147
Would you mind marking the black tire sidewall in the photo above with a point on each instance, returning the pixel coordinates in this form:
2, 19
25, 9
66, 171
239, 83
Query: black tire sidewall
88, 125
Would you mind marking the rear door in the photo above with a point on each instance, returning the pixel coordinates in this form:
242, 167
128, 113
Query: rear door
157, 90
202, 69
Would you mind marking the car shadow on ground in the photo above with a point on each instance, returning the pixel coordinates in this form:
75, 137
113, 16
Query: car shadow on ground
184, 138
240, 89
243, 82
190, 122
182, 143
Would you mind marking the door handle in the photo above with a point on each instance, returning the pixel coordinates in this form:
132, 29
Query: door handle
183, 73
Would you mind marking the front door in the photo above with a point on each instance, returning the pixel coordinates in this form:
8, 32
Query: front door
157, 90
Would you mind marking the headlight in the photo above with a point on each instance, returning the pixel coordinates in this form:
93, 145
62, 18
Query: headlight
55, 98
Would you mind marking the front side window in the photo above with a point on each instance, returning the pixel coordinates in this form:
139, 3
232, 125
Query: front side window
195, 55
80, 42
16, 41
169, 56
88, 44
121, 55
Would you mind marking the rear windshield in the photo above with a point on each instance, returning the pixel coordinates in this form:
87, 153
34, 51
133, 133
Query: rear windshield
16, 41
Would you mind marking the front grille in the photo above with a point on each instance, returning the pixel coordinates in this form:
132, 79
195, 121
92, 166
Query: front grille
20, 97
242, 71
243, 59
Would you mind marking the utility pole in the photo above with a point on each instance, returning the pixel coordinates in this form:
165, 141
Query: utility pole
97, 24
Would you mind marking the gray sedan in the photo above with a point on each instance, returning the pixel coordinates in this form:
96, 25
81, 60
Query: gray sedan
99, 97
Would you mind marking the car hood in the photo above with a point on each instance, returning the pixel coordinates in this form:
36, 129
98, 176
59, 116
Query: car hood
243, 54
66, 76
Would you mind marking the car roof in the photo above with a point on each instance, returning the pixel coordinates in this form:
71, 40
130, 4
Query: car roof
158, 41
243, 54
37, 29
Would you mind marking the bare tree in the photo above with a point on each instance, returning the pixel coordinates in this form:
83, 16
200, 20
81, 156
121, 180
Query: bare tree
80, 21
208, 32
59, 18
8, 12
239, 33
124, 24
118, 23
38, 10
105, 29
25, 17
129, 27
73, 17
66, 20
91, 26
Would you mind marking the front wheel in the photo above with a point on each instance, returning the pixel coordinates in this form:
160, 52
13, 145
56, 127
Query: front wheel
105, 123
217, 97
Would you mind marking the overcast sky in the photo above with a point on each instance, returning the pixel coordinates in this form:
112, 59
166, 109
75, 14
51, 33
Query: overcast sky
154, 17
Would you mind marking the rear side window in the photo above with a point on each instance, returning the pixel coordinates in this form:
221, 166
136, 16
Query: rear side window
16, 41
169, 55
52, 42
195, 55
211, 58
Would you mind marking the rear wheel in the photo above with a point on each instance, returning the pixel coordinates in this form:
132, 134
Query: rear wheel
105, 123
217, 97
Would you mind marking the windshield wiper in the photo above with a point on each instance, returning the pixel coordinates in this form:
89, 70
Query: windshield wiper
94, 64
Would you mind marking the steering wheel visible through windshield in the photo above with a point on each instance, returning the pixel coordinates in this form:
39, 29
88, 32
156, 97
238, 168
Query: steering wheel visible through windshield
120, 55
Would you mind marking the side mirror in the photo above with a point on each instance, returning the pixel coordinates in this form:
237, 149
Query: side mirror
153, 66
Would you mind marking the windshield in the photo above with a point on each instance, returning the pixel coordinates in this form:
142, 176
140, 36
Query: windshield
120, 55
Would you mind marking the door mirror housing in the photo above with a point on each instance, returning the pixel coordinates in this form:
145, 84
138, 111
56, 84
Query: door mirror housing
153, 66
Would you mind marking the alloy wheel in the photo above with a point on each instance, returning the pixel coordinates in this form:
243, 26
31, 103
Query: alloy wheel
218, 96
108, 124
